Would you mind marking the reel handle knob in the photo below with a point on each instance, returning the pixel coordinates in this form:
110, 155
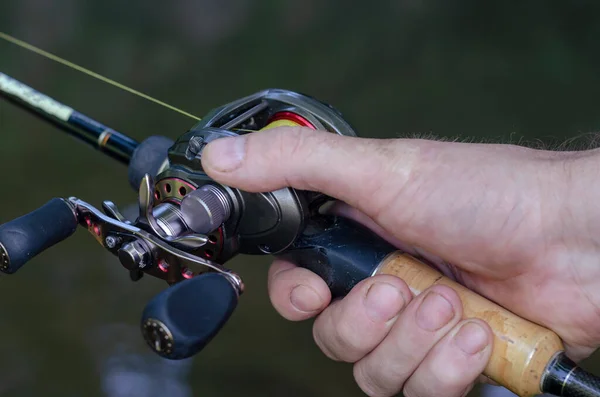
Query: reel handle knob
27, 236
178, 322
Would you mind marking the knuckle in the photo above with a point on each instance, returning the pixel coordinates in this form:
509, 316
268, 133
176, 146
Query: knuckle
296, 146
336, 336
452, 378
367, 383
276, 145
292, 141
392, 166
409, 392
320, 338
276, 272
345, 340
433, 387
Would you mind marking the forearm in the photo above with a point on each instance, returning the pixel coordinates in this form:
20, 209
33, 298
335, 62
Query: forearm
574, 187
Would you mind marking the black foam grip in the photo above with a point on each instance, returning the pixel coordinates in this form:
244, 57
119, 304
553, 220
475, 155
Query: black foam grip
181, 320
147, 159
27, 236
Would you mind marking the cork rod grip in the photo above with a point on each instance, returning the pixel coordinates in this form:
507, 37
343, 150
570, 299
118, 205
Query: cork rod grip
521, 349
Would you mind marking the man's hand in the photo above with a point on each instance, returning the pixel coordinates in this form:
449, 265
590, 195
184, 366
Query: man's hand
519, 226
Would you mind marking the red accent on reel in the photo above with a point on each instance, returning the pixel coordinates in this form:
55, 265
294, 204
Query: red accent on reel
187, 273
163, 266
293, 117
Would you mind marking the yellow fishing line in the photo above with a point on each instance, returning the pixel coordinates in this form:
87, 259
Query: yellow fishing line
58, 59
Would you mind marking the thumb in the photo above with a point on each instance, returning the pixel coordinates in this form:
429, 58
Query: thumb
350, 169
463, 202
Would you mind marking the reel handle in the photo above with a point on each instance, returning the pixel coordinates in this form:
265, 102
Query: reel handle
179, 321
27, 236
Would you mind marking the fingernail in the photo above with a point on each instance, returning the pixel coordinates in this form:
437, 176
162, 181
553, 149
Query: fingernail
305, 299
226, 154
435, 312
471, 338
383, 302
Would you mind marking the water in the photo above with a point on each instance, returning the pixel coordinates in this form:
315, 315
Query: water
487, 70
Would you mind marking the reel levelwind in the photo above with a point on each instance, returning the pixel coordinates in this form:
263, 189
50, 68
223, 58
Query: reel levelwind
188, 227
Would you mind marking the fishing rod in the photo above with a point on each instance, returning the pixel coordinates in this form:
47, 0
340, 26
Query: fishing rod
189, 226
116, 145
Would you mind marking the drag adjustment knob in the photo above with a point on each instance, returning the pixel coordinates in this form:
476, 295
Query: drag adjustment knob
178, 322
205, 209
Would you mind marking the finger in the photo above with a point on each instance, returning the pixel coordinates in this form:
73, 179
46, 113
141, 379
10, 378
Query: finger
407, 186
422, 324
296, 293
455, 363
350, 328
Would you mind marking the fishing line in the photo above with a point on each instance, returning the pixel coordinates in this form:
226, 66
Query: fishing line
58, 59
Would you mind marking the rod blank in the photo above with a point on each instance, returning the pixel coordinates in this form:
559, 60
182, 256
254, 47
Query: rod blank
105, 139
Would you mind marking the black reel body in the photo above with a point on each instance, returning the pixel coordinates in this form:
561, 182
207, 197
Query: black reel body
187, 202
189, 226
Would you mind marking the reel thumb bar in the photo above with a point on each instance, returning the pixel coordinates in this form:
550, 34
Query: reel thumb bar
527, 358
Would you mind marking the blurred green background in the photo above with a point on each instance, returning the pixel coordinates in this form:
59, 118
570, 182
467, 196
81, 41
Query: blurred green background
503, 70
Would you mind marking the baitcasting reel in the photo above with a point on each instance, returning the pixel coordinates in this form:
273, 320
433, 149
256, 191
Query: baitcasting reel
188, 225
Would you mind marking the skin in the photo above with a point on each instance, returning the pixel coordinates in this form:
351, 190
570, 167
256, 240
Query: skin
517, 225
